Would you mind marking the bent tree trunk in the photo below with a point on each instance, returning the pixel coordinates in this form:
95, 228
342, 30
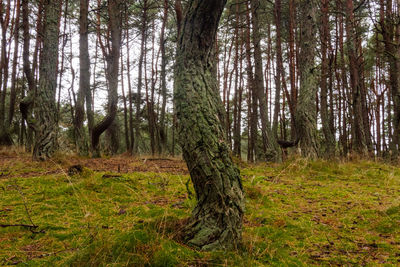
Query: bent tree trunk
111, 74
216, 221
46, 111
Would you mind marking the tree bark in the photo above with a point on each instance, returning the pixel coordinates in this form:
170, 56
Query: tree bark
329, 143
130, 95
216, 221
143, 35
27, 101
292, 99
279, 66
5, 138
126, 127
84, 79
306, 116
112, 58
13, 93
271, 148
252, 96
358, 130
389, 31
163, 40
238, 91
45, 110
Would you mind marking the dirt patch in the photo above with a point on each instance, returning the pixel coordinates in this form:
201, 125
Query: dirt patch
130, 164
19, 164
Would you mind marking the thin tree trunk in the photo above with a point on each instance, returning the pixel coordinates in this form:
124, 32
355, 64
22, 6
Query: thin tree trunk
292, 99
252, 98
84, 79
344, 86
163, 40
237, 97
143, 35
329, 143
358, 130
13, 92
5, 138
128, 68
126, 127
271, 148
279, 66
27, 101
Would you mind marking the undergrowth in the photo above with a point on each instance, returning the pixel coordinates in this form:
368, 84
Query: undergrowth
298, 213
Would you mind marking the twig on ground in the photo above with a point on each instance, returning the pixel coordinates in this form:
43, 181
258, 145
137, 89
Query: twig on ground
19, 225
33, 225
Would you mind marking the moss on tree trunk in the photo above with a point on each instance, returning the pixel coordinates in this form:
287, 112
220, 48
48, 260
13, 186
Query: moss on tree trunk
216, 221
306, 115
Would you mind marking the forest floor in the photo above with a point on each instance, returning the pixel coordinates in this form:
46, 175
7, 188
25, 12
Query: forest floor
126, 211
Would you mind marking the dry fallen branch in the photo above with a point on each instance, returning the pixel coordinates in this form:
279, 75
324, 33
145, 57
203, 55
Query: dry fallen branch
19, 225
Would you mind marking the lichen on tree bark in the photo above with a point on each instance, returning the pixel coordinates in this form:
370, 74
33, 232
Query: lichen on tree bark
216, 221
45, 110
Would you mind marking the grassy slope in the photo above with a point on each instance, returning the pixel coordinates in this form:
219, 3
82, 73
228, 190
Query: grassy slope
298, 213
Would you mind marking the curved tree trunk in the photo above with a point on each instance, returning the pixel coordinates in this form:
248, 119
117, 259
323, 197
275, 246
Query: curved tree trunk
112, 75
45, 110
216, 221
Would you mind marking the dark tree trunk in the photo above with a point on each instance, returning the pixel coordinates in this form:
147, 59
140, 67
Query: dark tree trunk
150, 88
216, 221
292, 99
238, 93
13, 89
126, 127
128, 67
329, 143
391, 41
84, 79
112, 58
358, 129
279, 66
344, 87
26, 103
143, 36
271, 148
163, 40
252, 98
45, 110
306, 116
5, 138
